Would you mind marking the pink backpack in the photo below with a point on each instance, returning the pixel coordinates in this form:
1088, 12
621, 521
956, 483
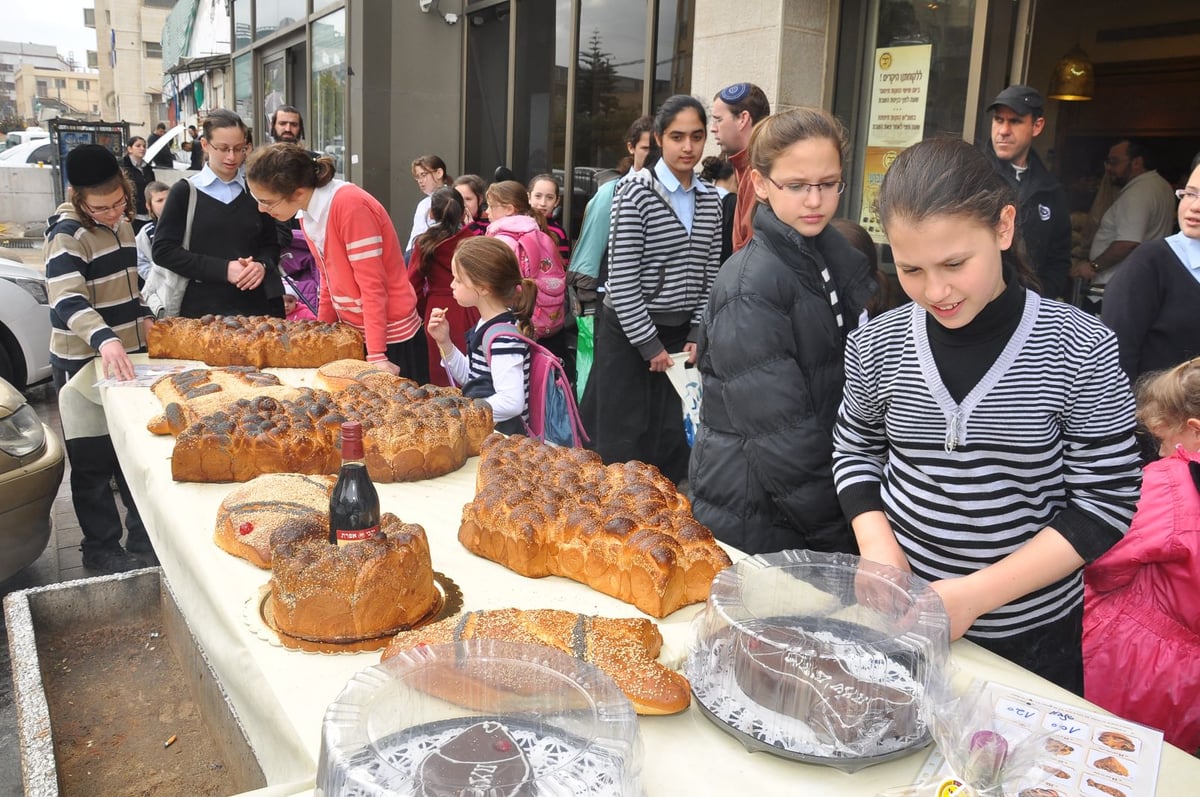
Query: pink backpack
539, 261
553, 414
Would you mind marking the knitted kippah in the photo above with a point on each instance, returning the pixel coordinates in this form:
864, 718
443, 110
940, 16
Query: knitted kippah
91, 164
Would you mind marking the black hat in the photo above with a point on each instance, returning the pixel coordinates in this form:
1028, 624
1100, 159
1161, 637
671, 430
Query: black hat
1024, 100
91, 164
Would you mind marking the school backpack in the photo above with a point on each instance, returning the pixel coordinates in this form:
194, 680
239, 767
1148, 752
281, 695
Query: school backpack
539, 261
553, 414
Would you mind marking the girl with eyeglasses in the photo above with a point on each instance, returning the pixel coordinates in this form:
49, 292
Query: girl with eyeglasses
771, 347
985, 436
96, 312
430, 174
1153, 302
664, 251
231, 257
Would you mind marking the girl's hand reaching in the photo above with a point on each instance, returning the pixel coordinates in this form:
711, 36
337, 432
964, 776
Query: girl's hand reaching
438, 328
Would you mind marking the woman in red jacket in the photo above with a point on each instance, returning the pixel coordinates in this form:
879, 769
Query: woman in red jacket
1141, 609
429, 272
363, 278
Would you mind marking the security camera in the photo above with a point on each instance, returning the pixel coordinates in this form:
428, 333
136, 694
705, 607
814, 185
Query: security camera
426, 5
450, 18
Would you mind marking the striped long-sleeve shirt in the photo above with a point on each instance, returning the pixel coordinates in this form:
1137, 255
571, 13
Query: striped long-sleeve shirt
657, 271
1044, 439
91, 279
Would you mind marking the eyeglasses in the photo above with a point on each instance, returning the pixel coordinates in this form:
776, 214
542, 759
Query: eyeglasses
1190, 194
267, 205
224, 150
798, 188
419, 176
117, 208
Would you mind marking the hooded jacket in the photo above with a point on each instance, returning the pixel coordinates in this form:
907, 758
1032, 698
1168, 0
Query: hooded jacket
771, 363
1044, 218
1141, 610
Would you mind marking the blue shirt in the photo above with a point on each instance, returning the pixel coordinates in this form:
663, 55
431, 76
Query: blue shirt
683, 200
1188, 252
208, 182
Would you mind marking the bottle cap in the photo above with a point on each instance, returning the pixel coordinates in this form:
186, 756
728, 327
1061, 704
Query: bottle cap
352, 440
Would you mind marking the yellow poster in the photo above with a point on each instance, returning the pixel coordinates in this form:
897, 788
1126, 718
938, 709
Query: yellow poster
899, 89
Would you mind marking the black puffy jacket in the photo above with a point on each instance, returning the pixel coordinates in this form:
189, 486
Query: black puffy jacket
771, 364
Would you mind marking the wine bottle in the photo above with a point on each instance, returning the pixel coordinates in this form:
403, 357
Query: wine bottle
354, 505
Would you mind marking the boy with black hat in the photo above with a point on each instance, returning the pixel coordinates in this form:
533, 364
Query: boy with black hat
95, 309
1043, 213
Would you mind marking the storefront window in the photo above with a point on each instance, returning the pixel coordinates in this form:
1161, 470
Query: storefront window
914, 87
241, 24
487, 91
539, 118
673, 60
273, 15
326, 129
243, 88
609, 79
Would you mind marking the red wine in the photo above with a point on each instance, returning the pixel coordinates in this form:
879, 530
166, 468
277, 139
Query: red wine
354, 505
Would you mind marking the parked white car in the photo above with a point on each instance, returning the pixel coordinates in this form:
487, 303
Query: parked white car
24, 325
32, 153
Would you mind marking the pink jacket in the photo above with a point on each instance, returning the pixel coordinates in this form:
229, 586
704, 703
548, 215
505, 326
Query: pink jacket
364, 282
1141, 610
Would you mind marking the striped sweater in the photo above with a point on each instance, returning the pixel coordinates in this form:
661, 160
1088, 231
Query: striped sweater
657, 272
1044, 439
363, 278
91, 279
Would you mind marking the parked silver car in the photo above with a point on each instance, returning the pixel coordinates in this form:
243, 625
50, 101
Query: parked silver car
31, 470
24, 325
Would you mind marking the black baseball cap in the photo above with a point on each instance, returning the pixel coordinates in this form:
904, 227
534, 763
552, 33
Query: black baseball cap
1024, 100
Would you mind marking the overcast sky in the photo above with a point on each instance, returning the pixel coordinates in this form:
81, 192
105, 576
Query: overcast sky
58, 23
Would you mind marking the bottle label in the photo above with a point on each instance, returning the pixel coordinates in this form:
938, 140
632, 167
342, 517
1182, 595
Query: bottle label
351, 536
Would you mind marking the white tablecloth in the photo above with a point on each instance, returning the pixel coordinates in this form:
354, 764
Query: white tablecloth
280, 695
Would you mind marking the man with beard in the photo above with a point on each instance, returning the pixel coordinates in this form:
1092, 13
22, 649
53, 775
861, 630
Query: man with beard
1143, 211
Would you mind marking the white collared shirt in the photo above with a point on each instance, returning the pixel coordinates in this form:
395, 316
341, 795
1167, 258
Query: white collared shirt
683, 200
316, 215
209, 183
1188, 252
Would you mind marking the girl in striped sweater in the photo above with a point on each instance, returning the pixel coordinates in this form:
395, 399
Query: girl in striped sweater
985, 439
664, 252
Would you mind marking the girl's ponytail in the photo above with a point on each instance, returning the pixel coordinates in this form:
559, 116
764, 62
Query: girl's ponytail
523, 301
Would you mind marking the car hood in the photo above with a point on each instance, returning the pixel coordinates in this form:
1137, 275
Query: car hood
11, 399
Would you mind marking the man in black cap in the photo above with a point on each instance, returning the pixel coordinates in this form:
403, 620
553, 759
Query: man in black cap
1043, 213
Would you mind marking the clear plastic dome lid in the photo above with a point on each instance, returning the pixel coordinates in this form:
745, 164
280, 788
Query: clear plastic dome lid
480, 718
820, 657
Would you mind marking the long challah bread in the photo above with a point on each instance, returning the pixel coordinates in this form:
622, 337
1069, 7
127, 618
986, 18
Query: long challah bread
261, 341
624, 648
621, 529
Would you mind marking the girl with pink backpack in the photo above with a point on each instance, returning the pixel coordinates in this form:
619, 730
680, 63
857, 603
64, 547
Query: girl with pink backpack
523, 229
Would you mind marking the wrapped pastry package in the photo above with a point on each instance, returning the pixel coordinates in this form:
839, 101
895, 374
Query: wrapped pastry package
480, 717
824, 658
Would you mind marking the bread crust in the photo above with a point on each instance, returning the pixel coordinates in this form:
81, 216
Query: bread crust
233, 424
621, 529
259, 341
252, 513
626, 649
